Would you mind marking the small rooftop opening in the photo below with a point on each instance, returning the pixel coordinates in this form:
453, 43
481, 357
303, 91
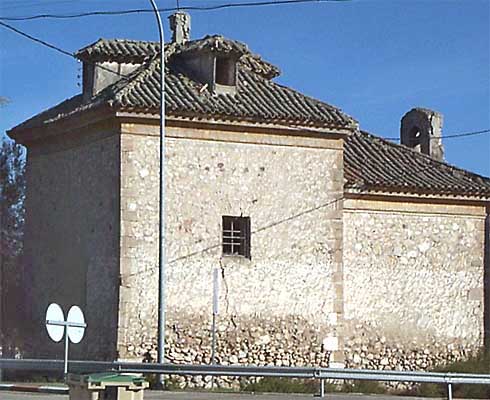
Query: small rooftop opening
421, 130
416, 139
225, 71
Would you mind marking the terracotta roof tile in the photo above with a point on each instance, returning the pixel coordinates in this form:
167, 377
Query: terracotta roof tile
258, 98
373, 163
135, 51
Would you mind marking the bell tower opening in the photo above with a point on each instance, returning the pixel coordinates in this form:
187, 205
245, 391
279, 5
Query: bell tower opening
415, 139
421, 130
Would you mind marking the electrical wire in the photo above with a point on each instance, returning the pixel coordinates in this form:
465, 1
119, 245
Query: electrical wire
452, 136
258, 230
71, 55
7, 5
187, 8
39, 41
17, 4
269, 226
56, 48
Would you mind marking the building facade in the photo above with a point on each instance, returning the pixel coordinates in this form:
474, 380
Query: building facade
333, 246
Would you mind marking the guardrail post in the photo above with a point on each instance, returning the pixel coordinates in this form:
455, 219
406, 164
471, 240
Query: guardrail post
1, 356
322, 387
450, 391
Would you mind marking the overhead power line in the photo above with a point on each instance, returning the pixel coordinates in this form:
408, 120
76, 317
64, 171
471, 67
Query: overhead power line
274, 223
467, 134
452, 136
39, 41
54, 47
71, 55
188, 8
258, 230
265, 227
283, 220
5, 5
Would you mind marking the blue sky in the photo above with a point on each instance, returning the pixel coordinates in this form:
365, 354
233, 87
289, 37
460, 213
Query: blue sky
373, 59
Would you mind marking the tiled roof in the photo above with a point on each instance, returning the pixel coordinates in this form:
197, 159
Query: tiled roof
371, 163
258, 98
375, 164
216, 43
136, 51
119, 50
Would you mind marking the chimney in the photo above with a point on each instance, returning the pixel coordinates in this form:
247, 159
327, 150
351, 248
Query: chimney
180, 24
421, 130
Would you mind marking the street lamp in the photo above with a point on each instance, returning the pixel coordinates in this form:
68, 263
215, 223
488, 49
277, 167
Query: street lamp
161, 211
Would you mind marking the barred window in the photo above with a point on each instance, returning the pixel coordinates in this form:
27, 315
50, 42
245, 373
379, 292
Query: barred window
236, 236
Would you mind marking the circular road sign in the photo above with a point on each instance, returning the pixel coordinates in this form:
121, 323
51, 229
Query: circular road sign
54, 313
75, 333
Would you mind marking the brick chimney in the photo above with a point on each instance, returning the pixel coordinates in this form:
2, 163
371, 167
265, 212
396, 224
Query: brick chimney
421, 129
180, 24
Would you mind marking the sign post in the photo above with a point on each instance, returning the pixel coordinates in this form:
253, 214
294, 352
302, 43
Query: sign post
215, 313
74, 325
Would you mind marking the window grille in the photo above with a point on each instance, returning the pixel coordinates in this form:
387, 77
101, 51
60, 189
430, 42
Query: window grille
236, 236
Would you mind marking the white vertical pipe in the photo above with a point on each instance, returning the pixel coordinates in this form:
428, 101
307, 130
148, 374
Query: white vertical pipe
66, 351
450, 391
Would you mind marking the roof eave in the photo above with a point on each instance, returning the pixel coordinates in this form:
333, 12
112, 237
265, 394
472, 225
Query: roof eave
29, 134
295, 127
410, 193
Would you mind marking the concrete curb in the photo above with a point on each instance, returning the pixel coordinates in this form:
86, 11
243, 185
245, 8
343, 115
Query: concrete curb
33, 388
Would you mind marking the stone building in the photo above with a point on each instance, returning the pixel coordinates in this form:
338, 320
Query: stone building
334, 246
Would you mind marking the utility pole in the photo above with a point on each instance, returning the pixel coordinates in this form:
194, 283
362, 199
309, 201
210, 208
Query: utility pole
486, 284
2, 339
161, 211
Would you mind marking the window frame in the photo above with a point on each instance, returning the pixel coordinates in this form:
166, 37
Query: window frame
235, 236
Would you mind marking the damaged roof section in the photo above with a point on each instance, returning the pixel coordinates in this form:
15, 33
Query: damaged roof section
119, 50
371, 164
258, 99
136, 51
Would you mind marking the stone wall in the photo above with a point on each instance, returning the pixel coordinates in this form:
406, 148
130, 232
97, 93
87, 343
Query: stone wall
279, 341
71, 237
410, 294
413, 283
287, 186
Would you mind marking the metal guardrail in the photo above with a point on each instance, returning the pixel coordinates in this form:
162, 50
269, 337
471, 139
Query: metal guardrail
448, 379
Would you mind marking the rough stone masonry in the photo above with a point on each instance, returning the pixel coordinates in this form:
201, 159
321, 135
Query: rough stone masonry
413, 283
272, 297
398, 285
334, 277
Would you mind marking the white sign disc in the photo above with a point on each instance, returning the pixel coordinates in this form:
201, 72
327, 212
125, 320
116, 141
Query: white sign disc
54, 313
75, 315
